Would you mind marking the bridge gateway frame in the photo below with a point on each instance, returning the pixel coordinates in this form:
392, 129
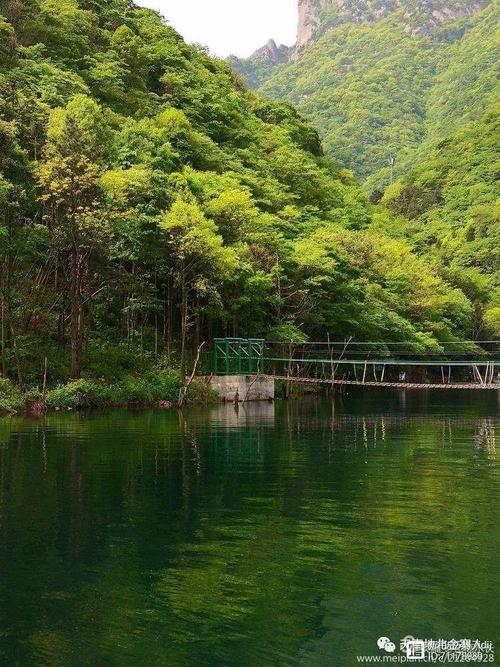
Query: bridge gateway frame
357, 363
238, 356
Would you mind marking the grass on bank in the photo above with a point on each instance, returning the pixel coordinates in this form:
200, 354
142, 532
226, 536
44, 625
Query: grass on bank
150, 388
113, 376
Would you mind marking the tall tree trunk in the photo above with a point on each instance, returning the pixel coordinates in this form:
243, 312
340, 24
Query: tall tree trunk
7, 269
196, 341
2, 335
16, 356
76, 314
156, 336
170, 316
183, 324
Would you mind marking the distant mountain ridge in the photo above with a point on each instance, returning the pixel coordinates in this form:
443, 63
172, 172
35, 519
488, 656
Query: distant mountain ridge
379, 77
315, 17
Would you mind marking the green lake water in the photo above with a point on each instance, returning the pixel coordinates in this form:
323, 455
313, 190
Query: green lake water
287, 534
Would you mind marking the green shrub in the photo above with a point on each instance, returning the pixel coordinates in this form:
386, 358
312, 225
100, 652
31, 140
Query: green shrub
80, 394
147, 388
11, 398
113, 363
201, 393
153, 386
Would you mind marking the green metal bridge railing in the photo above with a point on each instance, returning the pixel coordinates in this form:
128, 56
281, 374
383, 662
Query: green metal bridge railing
241, 356
237, 356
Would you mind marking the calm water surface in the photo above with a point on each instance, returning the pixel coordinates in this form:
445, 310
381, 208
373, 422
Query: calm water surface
294, 534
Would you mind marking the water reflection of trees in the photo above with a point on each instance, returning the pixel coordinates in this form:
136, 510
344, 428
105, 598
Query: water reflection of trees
186, 539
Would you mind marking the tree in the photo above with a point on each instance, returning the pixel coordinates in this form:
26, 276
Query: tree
68, 178
492, 322
146, 195
201, 263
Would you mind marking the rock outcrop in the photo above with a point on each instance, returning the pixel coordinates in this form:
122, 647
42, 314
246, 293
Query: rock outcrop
420, 17
309, 21
271, 52
417, 18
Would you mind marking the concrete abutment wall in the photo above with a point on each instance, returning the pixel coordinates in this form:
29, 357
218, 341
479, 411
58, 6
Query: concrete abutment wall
243, 388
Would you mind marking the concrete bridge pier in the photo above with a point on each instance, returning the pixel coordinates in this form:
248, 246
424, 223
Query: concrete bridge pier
242, 388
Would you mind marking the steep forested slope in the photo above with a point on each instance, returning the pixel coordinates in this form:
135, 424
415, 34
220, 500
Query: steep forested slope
149, 201
378, 79
451, 198
364, 88
467, 82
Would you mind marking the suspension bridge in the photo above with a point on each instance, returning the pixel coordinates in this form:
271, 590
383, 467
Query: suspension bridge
406, 365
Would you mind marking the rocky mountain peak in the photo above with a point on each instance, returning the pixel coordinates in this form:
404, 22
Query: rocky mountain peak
271, 52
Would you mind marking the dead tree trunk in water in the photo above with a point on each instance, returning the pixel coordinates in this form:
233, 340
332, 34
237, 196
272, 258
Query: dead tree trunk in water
184, 390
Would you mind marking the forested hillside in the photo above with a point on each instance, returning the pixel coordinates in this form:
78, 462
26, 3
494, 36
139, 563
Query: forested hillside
378, 81
150, 202
450, 198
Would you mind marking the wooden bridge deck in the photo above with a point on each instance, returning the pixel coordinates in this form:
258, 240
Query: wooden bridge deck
396, 385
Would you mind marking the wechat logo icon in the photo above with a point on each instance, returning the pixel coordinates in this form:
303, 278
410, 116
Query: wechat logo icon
385, 644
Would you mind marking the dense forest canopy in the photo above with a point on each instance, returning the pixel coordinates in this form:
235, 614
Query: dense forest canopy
450, 197
149, 201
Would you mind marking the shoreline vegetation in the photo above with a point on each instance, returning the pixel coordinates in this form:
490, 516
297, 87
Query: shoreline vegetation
155, 388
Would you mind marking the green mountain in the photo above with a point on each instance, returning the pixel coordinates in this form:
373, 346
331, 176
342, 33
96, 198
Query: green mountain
379, 79
150, 202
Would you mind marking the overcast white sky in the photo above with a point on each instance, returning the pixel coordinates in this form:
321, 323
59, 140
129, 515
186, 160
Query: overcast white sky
230, 26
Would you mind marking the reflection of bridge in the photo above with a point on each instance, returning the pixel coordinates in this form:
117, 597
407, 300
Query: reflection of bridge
451, 365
